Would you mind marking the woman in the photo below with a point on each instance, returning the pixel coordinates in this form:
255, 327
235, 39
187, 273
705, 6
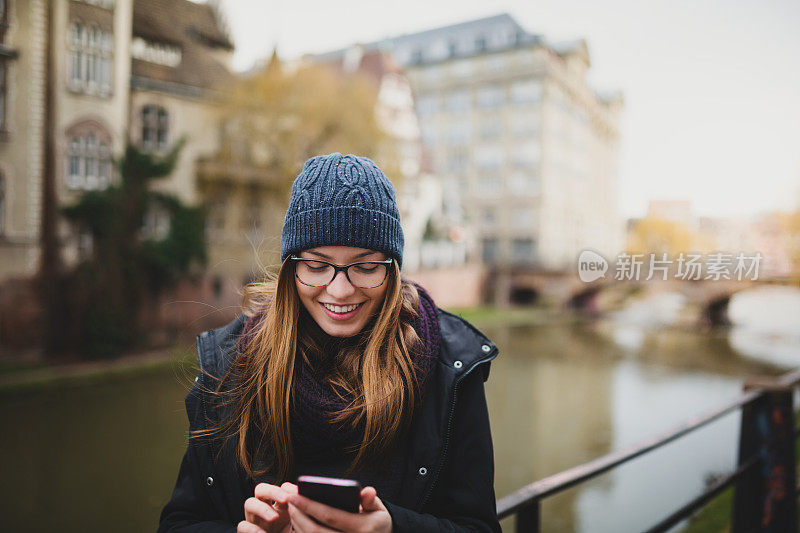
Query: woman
339, 368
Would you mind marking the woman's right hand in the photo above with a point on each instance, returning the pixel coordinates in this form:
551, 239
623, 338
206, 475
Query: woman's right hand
267, 511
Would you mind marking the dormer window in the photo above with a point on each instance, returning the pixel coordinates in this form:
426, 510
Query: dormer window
158, 53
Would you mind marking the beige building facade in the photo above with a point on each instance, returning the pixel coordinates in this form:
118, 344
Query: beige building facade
146, 71
516, 132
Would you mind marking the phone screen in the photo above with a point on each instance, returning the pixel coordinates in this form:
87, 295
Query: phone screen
344, 494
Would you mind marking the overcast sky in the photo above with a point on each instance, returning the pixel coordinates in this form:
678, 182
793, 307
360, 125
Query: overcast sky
711, 87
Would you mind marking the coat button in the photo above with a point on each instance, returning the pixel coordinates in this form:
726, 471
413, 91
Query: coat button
458, 364
209, 481
486, 348
423, 471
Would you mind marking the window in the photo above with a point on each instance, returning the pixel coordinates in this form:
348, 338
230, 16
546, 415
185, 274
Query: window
155, 125
529, 91
459, 132
522, 251
215, 221
491, 127
158, 53
107, 4
156, 223
88, 160
489, 156
463, 68
90, 59
427, 105
523, 181
491, 96
524, 123
429, 133
489, 250
527, 155
480, 44
496, 64
457, 101
489, 185
488, 218
524, 218
457, 160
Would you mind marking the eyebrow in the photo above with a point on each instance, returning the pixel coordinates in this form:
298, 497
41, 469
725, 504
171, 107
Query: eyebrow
358, 256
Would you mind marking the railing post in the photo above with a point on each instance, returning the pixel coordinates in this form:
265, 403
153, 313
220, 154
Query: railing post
764, 499
528, 518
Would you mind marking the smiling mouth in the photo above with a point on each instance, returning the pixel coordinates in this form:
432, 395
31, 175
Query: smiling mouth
341, 309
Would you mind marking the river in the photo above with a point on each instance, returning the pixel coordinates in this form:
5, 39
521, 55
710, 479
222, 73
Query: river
104, 455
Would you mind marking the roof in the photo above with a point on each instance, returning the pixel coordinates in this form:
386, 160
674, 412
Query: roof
194, 28
450, 32
375, 64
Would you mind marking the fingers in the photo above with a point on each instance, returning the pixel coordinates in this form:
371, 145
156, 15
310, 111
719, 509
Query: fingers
248, 527
302, 523
368, 495
271, 493
289, 488
330, 516
370, 501
259, 513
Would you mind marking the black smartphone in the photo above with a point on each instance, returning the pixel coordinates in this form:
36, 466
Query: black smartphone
344, 494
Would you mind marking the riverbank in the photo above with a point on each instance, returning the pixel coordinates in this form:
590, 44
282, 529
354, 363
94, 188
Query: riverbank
21, 378
16, 377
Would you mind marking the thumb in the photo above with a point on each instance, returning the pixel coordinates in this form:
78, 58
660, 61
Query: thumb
370, 500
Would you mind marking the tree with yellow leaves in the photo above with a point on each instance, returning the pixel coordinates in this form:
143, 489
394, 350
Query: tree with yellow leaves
278, 117
655, 235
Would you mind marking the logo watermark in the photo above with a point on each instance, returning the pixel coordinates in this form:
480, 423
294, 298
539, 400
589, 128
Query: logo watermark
714, 266
591, 266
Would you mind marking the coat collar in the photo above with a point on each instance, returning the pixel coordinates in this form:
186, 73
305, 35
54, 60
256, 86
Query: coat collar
463, 346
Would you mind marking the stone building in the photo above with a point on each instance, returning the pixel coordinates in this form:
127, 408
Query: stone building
517, 133
79, 80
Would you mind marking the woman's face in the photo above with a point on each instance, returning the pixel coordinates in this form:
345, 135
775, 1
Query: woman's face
340, 292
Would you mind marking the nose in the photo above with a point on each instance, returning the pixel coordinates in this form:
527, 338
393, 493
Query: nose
340, 287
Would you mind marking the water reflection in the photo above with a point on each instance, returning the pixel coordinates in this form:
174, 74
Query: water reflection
766, 324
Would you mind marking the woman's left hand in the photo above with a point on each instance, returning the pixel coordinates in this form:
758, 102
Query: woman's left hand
373, 518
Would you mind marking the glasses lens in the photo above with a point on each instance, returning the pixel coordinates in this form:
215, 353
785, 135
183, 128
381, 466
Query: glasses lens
367, 275
314, 273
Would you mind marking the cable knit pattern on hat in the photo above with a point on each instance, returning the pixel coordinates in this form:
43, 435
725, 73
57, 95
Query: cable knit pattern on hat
342, 201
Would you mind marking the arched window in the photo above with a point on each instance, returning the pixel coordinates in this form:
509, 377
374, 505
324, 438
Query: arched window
88, 157
91, 59
155, 127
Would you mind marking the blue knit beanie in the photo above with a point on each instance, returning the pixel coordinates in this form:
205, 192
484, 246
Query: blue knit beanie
342, 201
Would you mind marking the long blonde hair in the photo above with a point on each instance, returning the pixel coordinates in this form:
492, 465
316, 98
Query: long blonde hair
378, 374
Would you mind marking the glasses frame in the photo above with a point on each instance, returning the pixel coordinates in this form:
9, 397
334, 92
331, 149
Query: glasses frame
341, 268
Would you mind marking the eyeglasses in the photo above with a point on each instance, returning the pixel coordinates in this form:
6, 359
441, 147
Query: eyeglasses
364, 274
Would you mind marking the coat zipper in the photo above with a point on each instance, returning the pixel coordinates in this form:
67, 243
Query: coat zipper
449, 427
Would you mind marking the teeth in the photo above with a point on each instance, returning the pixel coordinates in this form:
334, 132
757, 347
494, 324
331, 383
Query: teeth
340, 308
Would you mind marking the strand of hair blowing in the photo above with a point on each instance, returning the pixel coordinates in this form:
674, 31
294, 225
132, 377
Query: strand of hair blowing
384, 383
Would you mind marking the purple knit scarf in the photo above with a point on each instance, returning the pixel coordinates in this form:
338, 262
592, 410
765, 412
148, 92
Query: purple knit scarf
314, 436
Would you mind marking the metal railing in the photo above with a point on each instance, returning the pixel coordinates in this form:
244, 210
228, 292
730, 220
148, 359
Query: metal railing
766, 491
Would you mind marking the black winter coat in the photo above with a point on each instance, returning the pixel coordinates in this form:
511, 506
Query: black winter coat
449, 478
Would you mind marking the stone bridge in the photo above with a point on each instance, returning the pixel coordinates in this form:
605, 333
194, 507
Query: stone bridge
566, 290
